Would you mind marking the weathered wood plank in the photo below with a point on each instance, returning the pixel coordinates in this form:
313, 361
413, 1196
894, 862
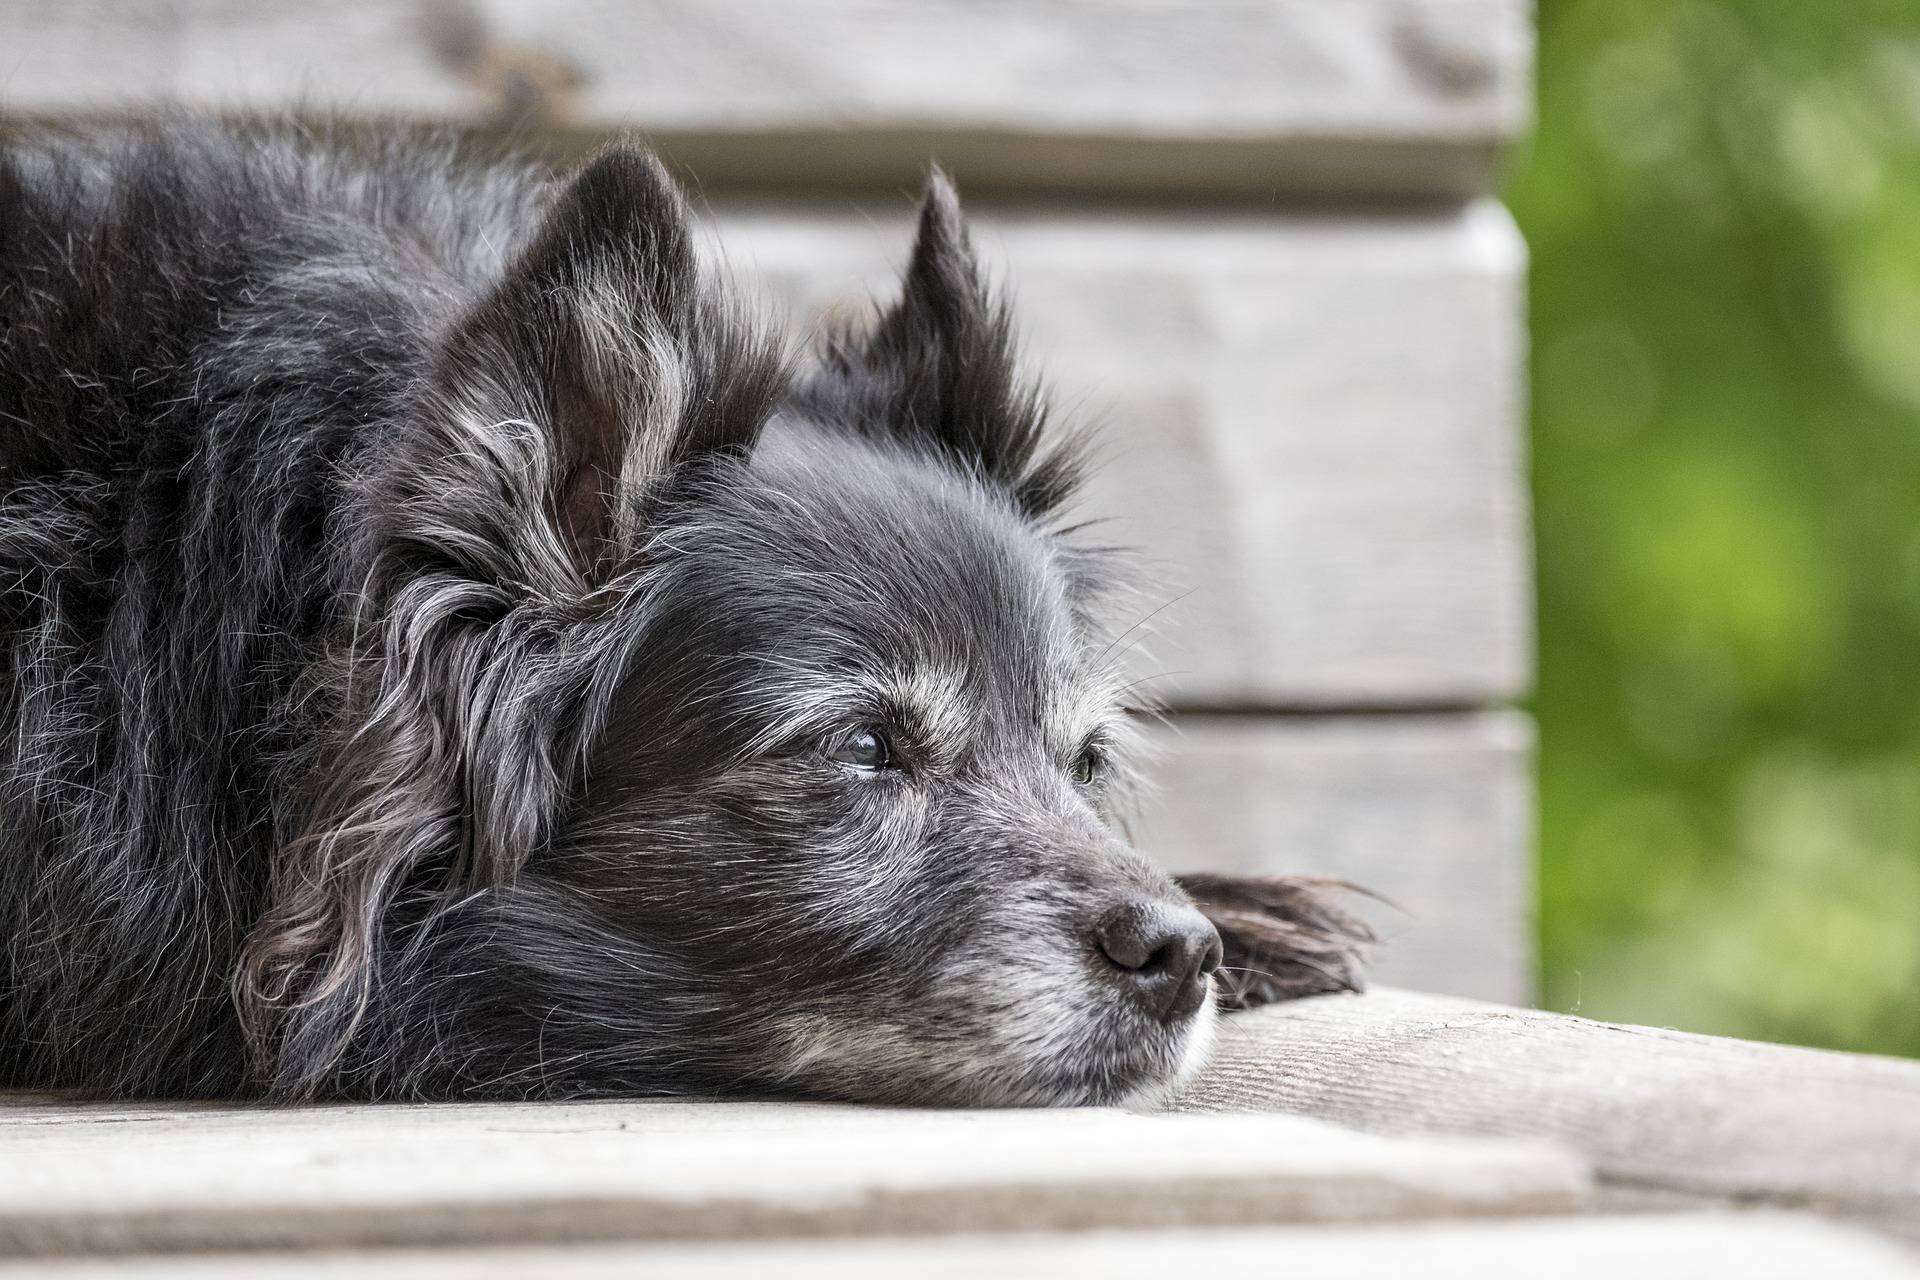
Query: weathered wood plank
1434, 812
1222, 95
1664, 1115
1311, 429
134, 1179
1753, 1246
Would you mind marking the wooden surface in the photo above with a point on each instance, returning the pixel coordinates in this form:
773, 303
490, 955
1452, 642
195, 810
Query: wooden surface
1433, 812
135, 1178
1753, 1246
1542, 1120
1665, 1117
1761, 1246
1243, 234
1310, 428
1224, 96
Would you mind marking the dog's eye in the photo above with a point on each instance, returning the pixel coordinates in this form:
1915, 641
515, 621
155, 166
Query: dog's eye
1086, 767
863, 749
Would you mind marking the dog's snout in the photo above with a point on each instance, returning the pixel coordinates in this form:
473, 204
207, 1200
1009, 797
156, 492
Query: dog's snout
1164, 952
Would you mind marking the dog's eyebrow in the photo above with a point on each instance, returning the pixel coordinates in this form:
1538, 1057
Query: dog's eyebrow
818, 697
937, 702
933, 700
937, 698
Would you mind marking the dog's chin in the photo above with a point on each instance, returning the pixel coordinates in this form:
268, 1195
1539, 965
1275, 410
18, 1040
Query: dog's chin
1039, 1060
1148, 1081
1135, 1066
1196, 1052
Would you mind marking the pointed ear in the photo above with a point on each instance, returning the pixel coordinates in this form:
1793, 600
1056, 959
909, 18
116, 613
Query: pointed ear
940, 367
605, 339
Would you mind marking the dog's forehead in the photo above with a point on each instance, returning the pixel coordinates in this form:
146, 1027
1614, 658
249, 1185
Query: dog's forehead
910, 548
901, 573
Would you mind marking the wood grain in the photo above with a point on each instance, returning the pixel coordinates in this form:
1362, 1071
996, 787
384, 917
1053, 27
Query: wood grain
1666, 1117
1753, 1246
79, 1179
1250, 96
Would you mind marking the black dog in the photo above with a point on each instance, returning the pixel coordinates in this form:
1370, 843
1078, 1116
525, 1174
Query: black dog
449, 651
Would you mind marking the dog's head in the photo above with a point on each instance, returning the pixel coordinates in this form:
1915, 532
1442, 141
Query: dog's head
714, 727
862, 767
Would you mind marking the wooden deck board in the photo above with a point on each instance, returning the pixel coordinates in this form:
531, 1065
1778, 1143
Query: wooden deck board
1220, 96
116, 1178
1670, 1247
1666, 1117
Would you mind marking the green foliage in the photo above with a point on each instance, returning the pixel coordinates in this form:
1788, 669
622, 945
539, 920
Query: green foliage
1723, 203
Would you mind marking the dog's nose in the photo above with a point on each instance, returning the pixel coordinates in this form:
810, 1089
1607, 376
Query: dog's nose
1164, 952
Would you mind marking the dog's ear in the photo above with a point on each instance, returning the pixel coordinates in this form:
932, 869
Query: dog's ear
1284, 937
604, 337
940, 366
562, 407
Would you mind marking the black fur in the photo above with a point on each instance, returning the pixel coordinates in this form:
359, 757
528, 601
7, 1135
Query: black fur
434, 617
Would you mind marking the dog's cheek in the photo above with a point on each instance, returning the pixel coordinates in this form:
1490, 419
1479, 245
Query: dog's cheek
957, 1013
871, 863
1008, 1015
1031, 1025
853, 1054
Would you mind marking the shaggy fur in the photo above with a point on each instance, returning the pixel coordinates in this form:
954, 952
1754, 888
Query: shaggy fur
435, 620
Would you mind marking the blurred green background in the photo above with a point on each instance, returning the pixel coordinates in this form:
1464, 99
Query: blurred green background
1723, 203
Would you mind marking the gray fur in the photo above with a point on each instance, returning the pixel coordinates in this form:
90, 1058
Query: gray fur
431, 606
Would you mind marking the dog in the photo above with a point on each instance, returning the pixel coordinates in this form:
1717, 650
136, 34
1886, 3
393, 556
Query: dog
453, 649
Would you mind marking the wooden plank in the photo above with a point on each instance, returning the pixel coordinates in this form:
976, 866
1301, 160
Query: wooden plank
1311, 428
1754, 1246
1206, 95
114, 1178
1434, 812
1663, 1115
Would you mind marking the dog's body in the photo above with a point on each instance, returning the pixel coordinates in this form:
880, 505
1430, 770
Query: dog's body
449, 651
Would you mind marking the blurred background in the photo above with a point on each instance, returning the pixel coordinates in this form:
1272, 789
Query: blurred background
1722, 201
1273, 244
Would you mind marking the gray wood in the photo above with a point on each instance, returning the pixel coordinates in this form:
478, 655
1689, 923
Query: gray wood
1311, 429
1434, 812
1210, 95
1665, 1116
1753, 1246
116, 1178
